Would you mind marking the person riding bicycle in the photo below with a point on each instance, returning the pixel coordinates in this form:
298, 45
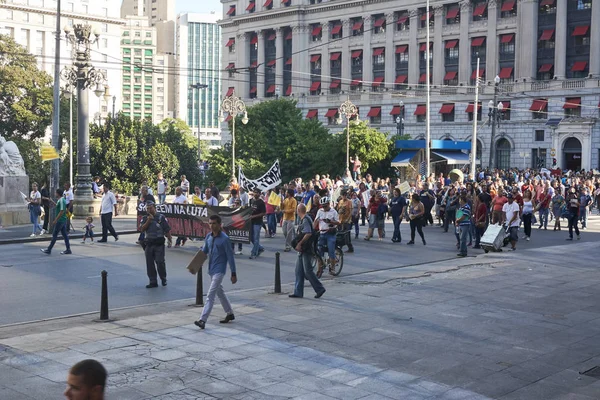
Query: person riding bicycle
326, 222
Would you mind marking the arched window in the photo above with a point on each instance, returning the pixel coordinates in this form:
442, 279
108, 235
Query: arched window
503, 154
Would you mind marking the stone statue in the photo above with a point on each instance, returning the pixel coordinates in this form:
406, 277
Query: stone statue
11, 162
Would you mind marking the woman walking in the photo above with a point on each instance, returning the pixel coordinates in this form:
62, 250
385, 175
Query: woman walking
557, 204
416, 210
397, 208
35, 209
528, 207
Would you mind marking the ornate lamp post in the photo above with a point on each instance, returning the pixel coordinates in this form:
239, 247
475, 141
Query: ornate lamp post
82, 75
400, 120
347, 109
68, 93
234, 106
494, 118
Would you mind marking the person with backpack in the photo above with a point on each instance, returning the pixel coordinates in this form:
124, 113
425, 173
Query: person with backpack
303, 244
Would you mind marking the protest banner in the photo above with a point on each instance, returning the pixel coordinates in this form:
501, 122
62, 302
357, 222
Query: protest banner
190, 220
404, 187
268, 181
274, 199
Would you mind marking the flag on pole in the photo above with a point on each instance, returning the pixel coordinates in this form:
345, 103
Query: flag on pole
49, 153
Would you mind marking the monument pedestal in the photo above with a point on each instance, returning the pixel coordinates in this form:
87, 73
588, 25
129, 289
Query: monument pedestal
13, 210
83, 208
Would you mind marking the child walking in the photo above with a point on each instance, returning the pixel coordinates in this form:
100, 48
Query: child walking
89, 230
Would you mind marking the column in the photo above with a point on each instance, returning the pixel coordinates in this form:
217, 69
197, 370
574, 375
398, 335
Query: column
260, 72
595, 40
439, 62
560, 47
240, 81
586, 148
464, 48
390, 52
526, 62
346, 57
325, 63
413, 49
491, 64
280, 61
300, 60
367, 75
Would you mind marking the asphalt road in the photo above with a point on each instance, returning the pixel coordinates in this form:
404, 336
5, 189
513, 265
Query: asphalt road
35, 286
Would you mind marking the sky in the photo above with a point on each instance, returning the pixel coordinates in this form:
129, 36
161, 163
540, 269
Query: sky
199, 6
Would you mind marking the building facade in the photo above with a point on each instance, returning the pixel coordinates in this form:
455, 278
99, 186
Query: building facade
32, 23
146, 72
198, 42
546, 54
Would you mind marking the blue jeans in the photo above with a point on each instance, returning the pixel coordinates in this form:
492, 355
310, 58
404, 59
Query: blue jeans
464, 233
60, 227
397, 236
34, 218
304, 270
256, 247
355, 224
272, 223
583, 216
544, 217
327, 239
162, 198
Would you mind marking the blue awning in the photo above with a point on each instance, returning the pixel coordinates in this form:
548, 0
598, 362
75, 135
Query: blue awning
435, 144
553, 121
453, 157
403, 159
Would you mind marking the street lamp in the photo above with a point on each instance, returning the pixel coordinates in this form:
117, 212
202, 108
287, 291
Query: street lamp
347, 109
198, 86
68, 93
233, 105
400, 120
494, 118
83, 75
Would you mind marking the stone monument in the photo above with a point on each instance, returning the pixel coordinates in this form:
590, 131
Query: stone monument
13, 181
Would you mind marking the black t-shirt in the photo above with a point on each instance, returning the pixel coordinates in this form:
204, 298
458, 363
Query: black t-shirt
259, 207
45, 193
148, 197
425, 199
397, 204
487, 199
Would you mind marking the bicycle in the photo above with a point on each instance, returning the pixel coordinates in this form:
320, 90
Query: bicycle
340, 240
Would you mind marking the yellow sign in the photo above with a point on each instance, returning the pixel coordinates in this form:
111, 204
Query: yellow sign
274, 199
49, 153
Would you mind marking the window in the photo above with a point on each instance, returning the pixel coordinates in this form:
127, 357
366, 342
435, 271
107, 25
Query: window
539, 135
268, 5
505, 113
547, 7
538, 158
508, 9
375, 115
379, 23
402, 19
315, 1
104, 28
149, 34
421, 112
507, 46
423, 18
572, 107
503, 151
480, 11
452, 14
584, 4
357, 26
471, 111
105, 12
332, 116
9, 14
336, 28
452, 51
125, 33
447, 112
105, 43
160, 81
25, 17
581, 35
539, 109
70, 7
138, 34
402, 54
251, 7
317, 32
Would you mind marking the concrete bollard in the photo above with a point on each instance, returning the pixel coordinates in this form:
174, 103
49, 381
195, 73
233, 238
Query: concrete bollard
104, 298
199, 289
277, 274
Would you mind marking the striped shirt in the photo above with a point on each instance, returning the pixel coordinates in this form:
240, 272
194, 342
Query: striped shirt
466, 213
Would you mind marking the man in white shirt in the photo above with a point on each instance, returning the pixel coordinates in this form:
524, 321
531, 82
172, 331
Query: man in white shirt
68, 195
327, 221
161, 188
180, 198
109, 203
185, 185
244, 199
210, 199
512, 219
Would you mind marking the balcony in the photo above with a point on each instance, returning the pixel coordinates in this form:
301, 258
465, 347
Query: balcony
573, 84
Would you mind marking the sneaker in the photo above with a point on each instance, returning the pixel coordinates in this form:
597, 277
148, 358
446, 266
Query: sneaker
43, 232
513, 249
527, 238
261, 250
66, 252
45, 251
238, 253
32, 235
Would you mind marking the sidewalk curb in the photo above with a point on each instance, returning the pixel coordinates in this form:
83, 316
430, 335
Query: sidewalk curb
48, 237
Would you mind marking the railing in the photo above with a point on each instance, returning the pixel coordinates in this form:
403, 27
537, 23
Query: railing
573, 84
536, 86
448, 91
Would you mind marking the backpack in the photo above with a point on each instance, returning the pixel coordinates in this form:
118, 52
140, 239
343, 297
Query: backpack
382, 209
307, 246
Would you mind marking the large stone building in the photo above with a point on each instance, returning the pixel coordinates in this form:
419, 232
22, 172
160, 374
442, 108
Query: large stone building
546, 54
32, 23
198, 62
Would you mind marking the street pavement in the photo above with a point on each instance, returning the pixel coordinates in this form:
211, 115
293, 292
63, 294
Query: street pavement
400, 322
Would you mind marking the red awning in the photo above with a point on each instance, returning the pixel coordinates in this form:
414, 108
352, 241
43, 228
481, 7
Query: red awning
335, 84
356, 53
450, 44
230, 43
546, 68
452, 13
271, 63
288, 91
312, 113
336, 29
402, 19
317, 30
357, 25
315, 58
421, 110
424, 46
230, 66
231, 10
539, 105
229, 92
423, 78
254, 40
547, 3
450, 75
289, 61
378, 81
479, 10
331, 113
477, 41
272, 36
507, 38
254, 64
355, 82
400, 79
268, 3
395, 110
547, 34
289, 35
505, 105
508, 5
447, 108
579, 66
379, 51
481, 73
573, 102
335, 56
374, 112
229, 118
250, 6
505, 73
253, 89
471, 108
271, 89
315, 86
379, 23
424, 16
401, 49
580, 30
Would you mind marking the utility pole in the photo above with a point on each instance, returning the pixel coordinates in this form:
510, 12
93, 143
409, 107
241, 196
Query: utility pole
55, 164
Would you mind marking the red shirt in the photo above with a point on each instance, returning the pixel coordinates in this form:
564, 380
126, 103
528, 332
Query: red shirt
480, 213
499, 203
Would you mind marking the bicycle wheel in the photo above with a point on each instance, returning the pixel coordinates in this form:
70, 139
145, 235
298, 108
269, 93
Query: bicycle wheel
339, 255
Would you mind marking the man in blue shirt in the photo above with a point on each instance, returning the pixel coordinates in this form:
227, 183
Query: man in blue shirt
218, 247
463, 222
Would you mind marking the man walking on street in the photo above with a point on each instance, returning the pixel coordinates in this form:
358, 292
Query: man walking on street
258, 212
464, 224
60, 224
512, 219
218, 248
289, 217
155, 227
109, 203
